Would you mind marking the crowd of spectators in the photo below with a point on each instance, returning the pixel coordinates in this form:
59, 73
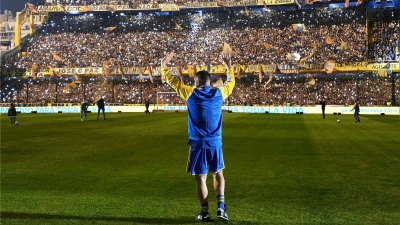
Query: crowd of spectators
119, 2
257, 37
338, 89
141, 40
385, 39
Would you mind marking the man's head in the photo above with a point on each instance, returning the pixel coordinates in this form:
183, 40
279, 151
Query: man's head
202, 78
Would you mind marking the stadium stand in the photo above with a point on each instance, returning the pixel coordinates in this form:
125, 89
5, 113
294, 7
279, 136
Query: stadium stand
284, 54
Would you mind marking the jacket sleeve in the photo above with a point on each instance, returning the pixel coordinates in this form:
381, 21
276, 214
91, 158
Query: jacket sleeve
184, 91
354, 106
229, 84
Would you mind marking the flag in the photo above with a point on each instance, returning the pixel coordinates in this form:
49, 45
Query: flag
77, 78
110, 28
346, 3
141, 78
70, 86
85, 8
62, 8
107, 70
53, 72
57, 57
245, 7
112, 10
383, 73
226, 49
32, 8
309, 79
192, 70
198, 19
260, 72
268, 46
178, 68
162, 79
299, 3
269, 79
33, 71
265, 5
329, 40
178, 27
121, 70
238, 70
310, 2
384, 70
310, 55
343, 46
299, 27
329, 66
221, 3
150, 74
293, 56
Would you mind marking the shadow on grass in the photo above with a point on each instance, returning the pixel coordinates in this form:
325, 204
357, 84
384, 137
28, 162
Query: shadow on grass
18, 215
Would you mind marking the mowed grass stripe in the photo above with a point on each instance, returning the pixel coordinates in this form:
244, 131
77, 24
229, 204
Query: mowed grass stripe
130, 169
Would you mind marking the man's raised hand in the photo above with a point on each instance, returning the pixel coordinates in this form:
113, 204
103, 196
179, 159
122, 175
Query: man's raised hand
225, 59
166, 59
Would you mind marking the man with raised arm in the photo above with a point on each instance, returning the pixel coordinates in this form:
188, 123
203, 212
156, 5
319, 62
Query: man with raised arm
204, 105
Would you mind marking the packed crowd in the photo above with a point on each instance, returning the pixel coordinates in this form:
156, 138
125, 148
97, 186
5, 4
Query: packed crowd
119, 2
385, 41
258, 38
340, 89
141, 40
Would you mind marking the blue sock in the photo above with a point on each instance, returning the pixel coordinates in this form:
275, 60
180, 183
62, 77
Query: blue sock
221, 201
204, 208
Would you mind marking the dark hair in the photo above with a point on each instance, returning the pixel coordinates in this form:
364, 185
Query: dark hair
203, 76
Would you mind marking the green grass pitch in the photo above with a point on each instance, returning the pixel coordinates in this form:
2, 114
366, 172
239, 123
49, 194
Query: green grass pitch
130, 169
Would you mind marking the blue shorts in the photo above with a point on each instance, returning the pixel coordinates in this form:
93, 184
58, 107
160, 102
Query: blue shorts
204, 156
101, 108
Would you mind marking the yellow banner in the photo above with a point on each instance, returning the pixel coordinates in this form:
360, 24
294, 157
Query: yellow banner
275, 2
216, 69
200, 5
42, 9
169, 7
394, 67
95, 8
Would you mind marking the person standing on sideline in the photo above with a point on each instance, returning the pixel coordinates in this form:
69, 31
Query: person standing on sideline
100, 106
356, 108
12, 113
323, 104
84, 107
147, 105
204, 105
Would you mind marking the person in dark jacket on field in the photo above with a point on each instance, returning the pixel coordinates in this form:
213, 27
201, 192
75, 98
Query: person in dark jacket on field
356, 108
147, 105
100, 105
12, 113
84, 110
323, 104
